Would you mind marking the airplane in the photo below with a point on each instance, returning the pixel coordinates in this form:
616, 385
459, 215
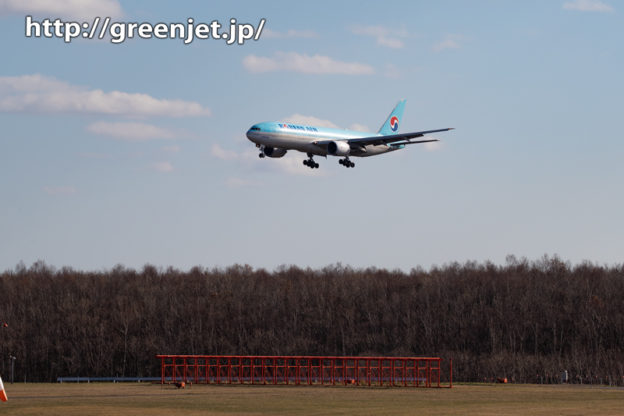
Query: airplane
275, 138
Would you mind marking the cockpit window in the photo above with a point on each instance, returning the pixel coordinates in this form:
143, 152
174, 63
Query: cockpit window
255, 128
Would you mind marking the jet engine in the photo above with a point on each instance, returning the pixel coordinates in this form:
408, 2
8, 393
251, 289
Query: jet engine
274, 152
338, 148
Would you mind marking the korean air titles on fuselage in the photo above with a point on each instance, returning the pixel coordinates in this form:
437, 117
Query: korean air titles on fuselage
297, 127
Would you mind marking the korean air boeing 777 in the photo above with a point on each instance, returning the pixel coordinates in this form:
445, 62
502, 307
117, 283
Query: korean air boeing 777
275, 138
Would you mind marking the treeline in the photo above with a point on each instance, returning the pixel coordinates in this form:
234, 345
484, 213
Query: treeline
526, 321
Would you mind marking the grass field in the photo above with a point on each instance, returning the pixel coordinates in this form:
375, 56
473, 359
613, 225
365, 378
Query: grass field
149, 399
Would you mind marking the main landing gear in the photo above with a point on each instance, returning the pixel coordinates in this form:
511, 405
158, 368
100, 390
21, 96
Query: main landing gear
310, 162
346, 163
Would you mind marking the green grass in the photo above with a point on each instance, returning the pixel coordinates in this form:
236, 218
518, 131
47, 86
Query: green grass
148, 399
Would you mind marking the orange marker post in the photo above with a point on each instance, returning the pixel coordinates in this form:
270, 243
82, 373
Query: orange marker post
3, 395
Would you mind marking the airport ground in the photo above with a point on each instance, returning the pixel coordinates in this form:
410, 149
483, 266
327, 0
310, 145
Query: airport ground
153, 399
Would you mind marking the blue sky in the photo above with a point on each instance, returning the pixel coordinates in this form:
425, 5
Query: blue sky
136, 153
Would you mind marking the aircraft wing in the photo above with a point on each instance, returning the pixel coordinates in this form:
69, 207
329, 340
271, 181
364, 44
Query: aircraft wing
412, 142
391, 138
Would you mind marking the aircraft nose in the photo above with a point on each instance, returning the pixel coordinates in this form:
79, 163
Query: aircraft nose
252, 132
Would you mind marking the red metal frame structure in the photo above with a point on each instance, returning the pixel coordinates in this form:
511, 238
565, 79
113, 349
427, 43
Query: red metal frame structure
310, 370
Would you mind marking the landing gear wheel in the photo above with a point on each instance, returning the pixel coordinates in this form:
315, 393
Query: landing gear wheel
346, 163
261, 155
311, 163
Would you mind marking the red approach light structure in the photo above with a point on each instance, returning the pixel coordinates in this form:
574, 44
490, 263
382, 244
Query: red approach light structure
310, 370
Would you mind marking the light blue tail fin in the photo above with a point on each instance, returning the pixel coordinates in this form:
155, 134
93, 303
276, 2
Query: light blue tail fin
391, 126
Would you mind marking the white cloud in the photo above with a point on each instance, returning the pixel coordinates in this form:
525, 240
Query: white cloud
384, 36
319, 122
131, 131
59, 190
40, 94
449, 42
303, 63
164, 167
80, 9
432, 146
359, 127
291, 163
290, 34
310, 121
587, 6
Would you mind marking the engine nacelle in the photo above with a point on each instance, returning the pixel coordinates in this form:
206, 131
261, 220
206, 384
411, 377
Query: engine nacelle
274, 152
338, 148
